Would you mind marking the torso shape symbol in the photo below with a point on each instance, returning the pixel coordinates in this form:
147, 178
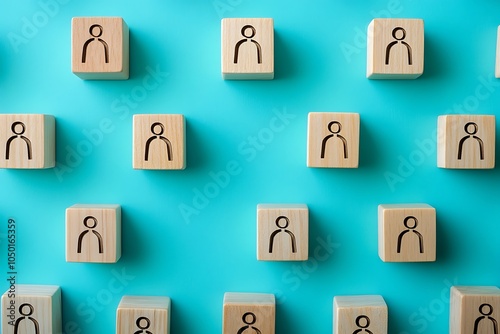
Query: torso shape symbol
249, 319
399, 38
282, 229
486, 310
335, 133
248, 37
18, 128
90, 226
412, 229
471, 133
143, 327
96, 32
362, 326
157, 129
26, 315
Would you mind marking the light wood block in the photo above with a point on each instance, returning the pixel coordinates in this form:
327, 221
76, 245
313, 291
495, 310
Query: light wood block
248, 48
159, 142
100, 48
93, 233
139, 314
282, 232
333, 140
27, 141
248, 313
32, 309
407, 233
474, 310
497, 63
466, 141
395, 49
359, 314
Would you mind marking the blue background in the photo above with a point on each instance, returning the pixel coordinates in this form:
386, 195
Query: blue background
320, 56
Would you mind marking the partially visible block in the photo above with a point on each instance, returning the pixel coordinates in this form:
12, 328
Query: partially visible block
93, 233
466, 141
100, 48
247, 48
27, 141
395, 49
138, 314
407, 233
497, 64
474, 310
359, 314
282, 232
248, 313
32, 309
333, 140
159, 142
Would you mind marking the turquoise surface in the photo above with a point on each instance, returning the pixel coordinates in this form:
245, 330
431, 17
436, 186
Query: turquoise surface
195, 256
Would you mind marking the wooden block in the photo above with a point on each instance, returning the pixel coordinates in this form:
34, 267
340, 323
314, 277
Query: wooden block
497, 64
359, 314
247, 49
100, 48
466, 141
27, 141
333, 140
159, 142
395, 49
138, 314
32, 309
282, 232
474, 310
248, 313
93, 233
407, 233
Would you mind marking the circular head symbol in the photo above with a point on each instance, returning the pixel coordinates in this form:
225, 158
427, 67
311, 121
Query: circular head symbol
468, 126
92, 30
245, 28
366, 321
488, 311
331, 127
160, 128
287, 221
252, 320
415, 222
86, 222
18, 131
140, 322
30, 309
395, 33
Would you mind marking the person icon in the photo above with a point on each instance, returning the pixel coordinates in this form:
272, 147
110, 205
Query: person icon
486, 310
157, 129
282, 228
26, 310
18, 128
334, 127
90, 223
248, 32
143, 324
249, 319
412, 229
363, 322
471, 130
399, 34
96, 32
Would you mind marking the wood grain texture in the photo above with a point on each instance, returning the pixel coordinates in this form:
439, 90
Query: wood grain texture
100, 48
497, 63
147, 313
103, 246
352, 313
27, 141
395, 49
463, 145
247, 54
237, 308
42, 303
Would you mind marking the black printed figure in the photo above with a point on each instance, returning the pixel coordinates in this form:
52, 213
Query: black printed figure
249, 319
335, 133
486, 310
399, 39
158, 134
248, 32
96, 32
412, 229
18, 128
471, 134
90, 227
143, 328
362, 326
26, 315
282, 229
